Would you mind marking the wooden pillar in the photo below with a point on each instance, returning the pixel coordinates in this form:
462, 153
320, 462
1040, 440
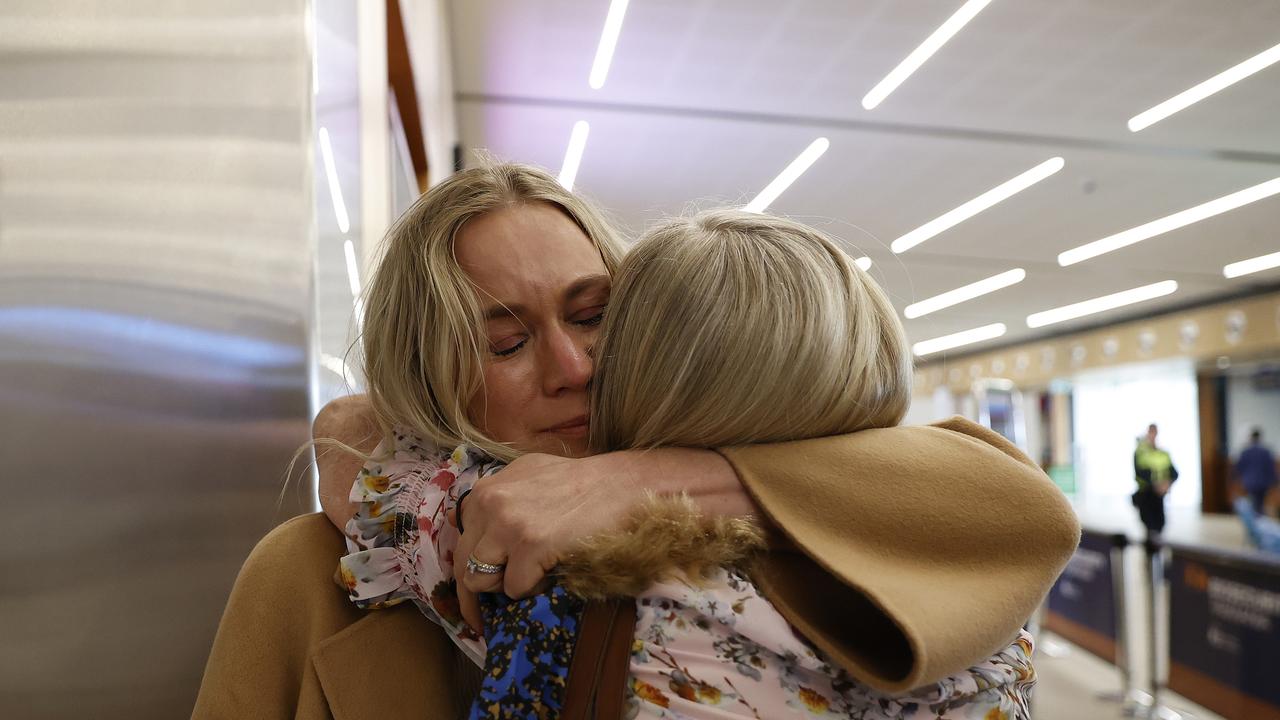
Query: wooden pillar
1215, 496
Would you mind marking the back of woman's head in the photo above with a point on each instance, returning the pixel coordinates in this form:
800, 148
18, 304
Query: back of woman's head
732, 328
422, 335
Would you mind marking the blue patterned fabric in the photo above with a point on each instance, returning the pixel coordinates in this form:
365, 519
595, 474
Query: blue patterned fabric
530, 645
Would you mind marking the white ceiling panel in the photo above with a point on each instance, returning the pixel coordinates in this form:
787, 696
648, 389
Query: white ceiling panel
707, 100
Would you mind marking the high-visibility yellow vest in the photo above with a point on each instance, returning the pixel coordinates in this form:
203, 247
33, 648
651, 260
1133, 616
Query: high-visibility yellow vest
1151, 458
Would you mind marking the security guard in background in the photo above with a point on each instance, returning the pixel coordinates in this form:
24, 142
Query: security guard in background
1154, 471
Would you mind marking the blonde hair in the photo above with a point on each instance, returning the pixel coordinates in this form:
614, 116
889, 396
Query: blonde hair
731, 328
423, 340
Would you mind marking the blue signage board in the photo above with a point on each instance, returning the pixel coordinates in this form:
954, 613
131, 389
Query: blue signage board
1224, 631
1081, 606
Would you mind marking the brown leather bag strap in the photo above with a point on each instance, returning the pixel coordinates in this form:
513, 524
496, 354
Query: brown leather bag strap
615, 668
596, 688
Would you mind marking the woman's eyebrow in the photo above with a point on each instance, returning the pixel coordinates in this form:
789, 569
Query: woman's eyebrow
500, 311
571, 292
585, 284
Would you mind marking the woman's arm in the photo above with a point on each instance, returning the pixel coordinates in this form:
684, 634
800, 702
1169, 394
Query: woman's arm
540, 507
918, 550
348, 420
915, 552
702, 474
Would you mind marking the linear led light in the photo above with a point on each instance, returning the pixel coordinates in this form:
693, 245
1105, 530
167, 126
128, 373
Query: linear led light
1222, 80
955, 340
797, 167
1252, 265
353, 272
1102, 304
963, 294
1169, 222
1003, 191
863, 263
608, 42
922, 53
335, 190
573, 154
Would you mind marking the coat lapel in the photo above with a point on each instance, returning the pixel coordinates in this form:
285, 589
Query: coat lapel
390, 664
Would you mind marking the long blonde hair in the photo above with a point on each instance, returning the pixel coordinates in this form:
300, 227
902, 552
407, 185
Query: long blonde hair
731, 328
422, 338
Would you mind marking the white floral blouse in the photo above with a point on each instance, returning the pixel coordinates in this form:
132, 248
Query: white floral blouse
716, 649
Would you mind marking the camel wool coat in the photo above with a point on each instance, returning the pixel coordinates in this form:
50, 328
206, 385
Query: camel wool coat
907, 555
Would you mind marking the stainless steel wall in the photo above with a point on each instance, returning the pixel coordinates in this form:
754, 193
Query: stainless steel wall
156, 265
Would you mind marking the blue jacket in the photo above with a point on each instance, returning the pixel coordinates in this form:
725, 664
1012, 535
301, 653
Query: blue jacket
1256, 468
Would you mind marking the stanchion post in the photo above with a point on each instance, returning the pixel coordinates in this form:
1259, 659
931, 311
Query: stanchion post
1119, 541
1155, 576
1155, 593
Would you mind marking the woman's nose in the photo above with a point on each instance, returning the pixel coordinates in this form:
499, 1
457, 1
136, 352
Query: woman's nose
568, 364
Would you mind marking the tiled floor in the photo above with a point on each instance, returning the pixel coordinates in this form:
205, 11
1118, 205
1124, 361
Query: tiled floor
1072, 685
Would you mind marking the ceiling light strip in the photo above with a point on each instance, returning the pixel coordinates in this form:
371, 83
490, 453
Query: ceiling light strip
922, 53
995, 195
1252, 265
573, 154
863, 263
335, 190
964, 294
955, 340
1169, 222
608, 43
793, 171
353, 272
1102, 304
1222, 80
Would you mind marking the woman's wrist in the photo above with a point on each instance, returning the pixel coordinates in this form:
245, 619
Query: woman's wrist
705, 476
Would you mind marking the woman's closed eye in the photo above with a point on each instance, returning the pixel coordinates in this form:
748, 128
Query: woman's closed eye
589, 317
508, 346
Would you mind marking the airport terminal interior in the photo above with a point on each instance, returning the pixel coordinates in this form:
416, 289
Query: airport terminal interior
1073, 207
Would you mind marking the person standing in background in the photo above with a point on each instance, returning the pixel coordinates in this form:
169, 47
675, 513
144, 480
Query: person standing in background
1154, 471
1256, 469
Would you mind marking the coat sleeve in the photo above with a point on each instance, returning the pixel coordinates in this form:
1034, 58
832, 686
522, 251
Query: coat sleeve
915, 552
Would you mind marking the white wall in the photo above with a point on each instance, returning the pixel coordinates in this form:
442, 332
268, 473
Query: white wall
926, 408
1114, 406
1248, 408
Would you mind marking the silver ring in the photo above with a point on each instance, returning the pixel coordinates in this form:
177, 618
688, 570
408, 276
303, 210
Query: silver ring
483, 568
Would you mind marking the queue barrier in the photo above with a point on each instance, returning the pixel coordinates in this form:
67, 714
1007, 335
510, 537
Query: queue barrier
1224, 630
1087, 603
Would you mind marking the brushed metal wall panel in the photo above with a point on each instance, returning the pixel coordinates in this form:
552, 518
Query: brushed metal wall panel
156, 294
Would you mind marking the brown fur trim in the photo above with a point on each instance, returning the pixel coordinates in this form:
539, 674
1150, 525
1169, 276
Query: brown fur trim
663, 536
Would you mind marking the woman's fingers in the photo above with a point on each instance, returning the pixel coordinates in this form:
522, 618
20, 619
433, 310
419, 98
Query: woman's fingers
528, 513
469, 606
488, 555
522, 580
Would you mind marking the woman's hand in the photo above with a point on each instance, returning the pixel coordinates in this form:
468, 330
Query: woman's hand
528, 515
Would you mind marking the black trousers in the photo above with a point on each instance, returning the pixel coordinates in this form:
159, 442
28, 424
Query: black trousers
1150, 509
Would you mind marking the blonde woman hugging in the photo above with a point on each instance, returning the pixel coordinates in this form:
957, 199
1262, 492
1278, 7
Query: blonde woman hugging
722, 455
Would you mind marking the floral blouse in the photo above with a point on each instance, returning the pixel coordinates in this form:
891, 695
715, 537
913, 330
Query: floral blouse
711, 649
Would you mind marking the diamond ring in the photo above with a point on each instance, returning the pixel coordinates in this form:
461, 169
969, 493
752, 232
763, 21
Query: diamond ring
482, 568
